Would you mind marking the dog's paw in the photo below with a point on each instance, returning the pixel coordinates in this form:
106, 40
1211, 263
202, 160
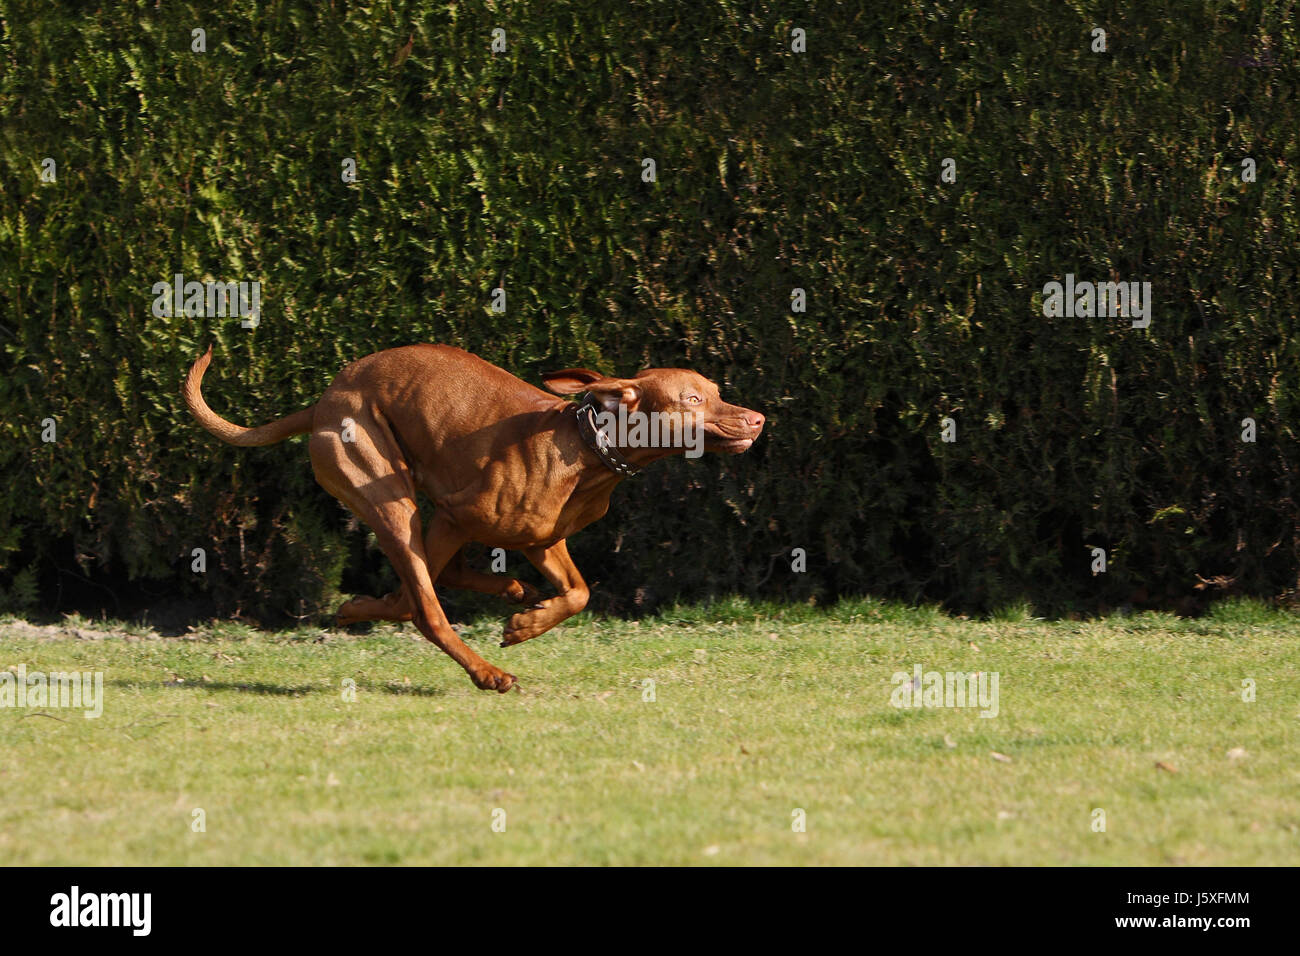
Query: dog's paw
346, 614
523, 593
497, 680
519, 629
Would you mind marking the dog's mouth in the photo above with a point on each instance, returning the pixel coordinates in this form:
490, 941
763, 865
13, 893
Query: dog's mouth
733, 446
728, 444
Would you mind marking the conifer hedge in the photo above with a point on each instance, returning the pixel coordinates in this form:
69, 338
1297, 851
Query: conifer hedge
795, 147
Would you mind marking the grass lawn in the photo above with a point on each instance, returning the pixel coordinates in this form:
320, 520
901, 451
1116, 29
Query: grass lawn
755, 713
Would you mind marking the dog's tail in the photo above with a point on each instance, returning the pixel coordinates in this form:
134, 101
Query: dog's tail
269, 434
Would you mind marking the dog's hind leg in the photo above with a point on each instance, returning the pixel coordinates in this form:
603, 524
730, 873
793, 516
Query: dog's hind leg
458, 574
391, 607
367, 472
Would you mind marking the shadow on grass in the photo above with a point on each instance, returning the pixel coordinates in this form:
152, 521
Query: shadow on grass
282, 690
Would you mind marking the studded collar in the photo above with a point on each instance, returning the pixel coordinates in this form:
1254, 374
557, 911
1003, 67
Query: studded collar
595, 439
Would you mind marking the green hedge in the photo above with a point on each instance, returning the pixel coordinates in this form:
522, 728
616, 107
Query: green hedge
776, 170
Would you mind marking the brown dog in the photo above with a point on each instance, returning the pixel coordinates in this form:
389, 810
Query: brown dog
504, 463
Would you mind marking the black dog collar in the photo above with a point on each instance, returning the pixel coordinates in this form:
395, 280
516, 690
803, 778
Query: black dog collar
597, 440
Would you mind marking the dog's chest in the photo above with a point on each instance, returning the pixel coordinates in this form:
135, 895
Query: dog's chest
509, 508
510, 528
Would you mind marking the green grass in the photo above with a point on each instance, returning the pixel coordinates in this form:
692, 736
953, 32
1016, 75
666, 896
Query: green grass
757, 711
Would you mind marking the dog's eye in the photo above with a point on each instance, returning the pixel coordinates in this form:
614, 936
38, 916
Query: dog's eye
694, 400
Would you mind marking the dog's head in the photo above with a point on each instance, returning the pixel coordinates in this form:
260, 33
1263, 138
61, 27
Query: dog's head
676, 395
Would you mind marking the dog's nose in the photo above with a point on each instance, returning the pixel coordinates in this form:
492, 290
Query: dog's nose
755, 420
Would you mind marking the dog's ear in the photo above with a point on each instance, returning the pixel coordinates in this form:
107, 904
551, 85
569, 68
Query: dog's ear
570, 381
612, 392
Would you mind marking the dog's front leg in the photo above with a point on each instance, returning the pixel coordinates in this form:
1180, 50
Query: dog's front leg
571, 595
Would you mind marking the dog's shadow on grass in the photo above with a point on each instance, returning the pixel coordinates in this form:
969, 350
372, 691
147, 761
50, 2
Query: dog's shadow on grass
282, 690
